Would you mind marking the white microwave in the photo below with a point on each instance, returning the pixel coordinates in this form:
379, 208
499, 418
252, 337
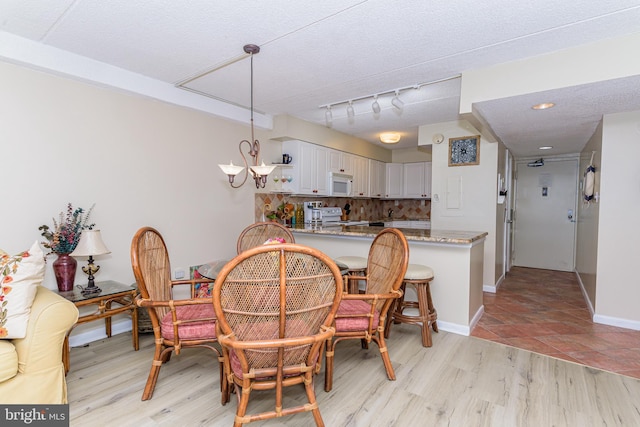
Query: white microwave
340, 184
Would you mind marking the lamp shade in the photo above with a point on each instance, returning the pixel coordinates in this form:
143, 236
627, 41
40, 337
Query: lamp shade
231, 169
262, 170
90, 244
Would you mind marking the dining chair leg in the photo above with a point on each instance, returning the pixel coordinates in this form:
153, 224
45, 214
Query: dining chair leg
328, 369
311, 396
156, 364
385, 358
243, 402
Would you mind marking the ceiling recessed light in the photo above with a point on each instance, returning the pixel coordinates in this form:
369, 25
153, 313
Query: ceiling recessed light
543, 106
390, 137
545, 147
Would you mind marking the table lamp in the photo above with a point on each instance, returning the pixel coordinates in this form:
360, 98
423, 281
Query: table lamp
90, 245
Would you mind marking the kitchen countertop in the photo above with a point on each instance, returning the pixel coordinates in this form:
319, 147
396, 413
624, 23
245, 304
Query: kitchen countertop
412, 234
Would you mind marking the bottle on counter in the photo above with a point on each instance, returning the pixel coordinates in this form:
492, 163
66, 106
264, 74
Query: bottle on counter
299, 214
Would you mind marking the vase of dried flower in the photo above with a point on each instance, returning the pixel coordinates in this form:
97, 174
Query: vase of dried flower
65, 270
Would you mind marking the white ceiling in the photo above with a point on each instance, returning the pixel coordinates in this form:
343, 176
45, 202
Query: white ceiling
315, 53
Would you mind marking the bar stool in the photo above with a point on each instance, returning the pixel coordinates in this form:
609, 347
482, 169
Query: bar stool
420, 276
357, 267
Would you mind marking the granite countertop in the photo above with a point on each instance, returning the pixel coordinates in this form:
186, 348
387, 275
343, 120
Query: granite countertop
412, 234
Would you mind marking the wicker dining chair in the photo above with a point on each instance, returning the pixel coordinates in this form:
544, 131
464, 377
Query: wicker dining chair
275, 306
362, 316
177, 323
258, 233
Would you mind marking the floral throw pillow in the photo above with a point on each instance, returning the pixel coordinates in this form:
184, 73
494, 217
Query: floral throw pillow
20, 276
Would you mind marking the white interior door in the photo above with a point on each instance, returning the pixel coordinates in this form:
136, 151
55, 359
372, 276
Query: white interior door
545, 212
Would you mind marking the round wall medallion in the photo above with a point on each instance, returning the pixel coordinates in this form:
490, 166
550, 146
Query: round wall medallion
438, 138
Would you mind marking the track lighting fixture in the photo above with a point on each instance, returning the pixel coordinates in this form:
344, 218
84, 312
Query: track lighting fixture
328, 116
350, 111
397, 102
375, 106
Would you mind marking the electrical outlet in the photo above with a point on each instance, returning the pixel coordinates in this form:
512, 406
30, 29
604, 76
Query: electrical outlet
396, 203
178, 273
361, 209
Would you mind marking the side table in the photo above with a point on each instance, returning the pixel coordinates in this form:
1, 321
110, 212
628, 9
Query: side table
112, 292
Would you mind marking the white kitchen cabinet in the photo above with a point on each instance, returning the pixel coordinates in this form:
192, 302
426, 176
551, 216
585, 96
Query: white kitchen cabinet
360, 177
393, 180
309, 168
417, 180
341, 162
377, 174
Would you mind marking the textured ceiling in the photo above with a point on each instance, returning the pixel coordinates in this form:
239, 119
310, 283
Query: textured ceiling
315, 53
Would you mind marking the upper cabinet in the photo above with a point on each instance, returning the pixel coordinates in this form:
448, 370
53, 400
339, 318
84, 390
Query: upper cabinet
417, 180
360, 176
393, 183
377, 174
309, 168
341, 162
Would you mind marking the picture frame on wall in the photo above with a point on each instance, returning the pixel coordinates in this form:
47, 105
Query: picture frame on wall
464, 151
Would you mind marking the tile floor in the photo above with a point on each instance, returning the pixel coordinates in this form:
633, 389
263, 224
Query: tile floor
544, 311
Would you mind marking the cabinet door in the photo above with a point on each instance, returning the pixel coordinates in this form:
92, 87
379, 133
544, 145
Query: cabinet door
320, 171
414, 180
427, 179
307, 164
360, 177
340, 162
377, 175
393, 185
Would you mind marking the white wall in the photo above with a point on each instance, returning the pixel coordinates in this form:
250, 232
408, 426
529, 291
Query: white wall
477, 211
588, 221
142, 162
617, 287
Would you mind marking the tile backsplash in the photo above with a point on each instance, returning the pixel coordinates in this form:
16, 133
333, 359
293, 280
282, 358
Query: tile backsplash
361, 209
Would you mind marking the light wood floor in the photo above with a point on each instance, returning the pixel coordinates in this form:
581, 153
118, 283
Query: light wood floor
460, 381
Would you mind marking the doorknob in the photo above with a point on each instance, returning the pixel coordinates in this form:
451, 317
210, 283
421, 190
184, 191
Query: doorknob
570, 215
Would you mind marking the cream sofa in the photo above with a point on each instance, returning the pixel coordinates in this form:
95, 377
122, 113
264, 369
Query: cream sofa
31, 369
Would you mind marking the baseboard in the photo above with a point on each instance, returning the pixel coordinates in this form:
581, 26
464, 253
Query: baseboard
454, 328
118, 326
616, 321
461, 329
584, 295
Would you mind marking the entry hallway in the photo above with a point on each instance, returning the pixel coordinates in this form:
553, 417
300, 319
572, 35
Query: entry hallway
460, 381
544, 311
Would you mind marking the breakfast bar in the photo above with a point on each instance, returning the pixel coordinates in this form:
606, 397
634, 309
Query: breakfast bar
456, 258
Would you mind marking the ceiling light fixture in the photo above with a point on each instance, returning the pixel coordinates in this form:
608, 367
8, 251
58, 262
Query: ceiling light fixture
259, 173
543, 106
389, 137
545, 147
350, 111
328, 116
397, 102
375, 106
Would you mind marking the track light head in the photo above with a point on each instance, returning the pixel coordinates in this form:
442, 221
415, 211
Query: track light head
328, 116
375, 106
350, 111
397, 102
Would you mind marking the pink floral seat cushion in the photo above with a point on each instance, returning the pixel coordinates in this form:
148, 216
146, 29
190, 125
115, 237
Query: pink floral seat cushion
358, 308
205, 329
